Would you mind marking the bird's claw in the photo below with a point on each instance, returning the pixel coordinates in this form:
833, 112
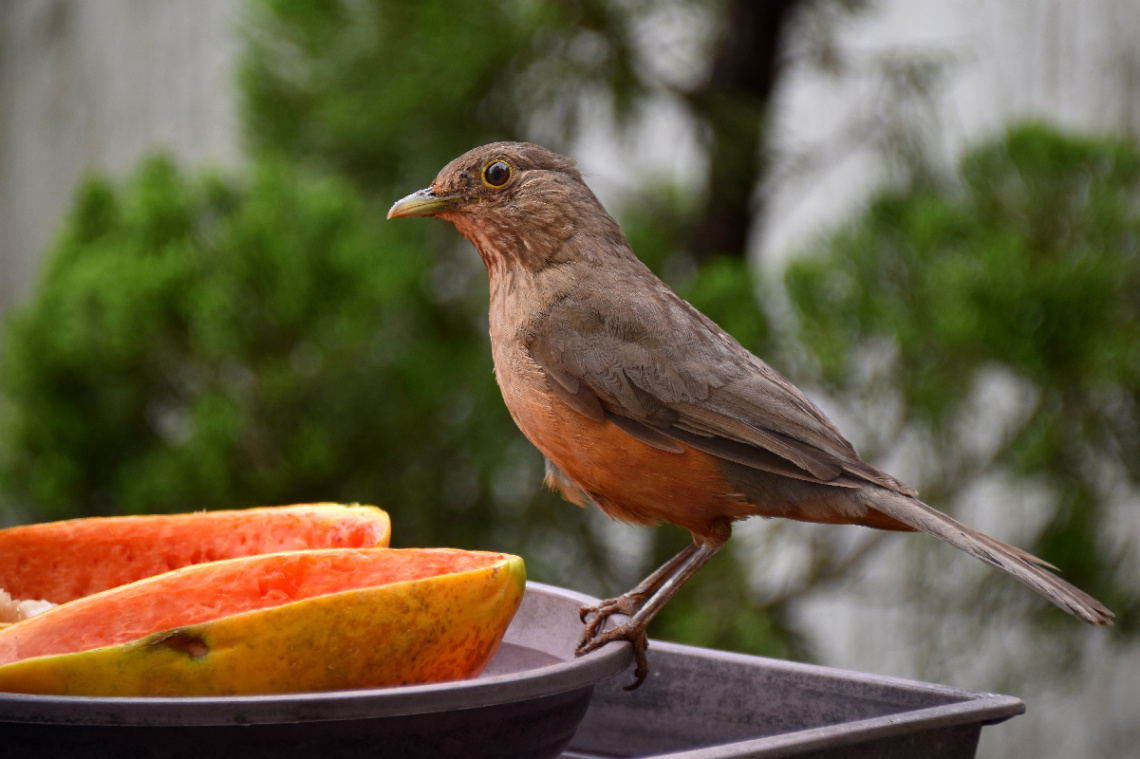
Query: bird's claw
593, 637
631, 632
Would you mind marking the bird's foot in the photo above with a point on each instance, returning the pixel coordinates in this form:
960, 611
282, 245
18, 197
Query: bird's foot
640, 605
632, 632
595, 616
594, 637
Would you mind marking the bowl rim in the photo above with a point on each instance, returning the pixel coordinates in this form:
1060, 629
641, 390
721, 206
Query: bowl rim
360, 703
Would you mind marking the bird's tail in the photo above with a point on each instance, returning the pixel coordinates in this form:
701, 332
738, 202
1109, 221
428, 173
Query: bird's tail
1013, 561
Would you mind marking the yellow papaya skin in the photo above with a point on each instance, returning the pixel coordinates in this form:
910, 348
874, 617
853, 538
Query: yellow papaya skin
439, 628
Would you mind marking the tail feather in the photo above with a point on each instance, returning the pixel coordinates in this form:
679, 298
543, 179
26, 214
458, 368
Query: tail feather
1013, 561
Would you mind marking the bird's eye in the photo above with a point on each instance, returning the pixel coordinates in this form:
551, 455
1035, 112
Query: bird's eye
496, 173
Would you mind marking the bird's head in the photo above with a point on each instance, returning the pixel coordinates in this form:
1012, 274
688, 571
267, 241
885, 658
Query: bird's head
520, 204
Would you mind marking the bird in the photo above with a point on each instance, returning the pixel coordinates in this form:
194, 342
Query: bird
647, 409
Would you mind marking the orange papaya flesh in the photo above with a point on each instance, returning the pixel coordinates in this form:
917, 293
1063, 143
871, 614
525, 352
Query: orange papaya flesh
297, 621
63, 561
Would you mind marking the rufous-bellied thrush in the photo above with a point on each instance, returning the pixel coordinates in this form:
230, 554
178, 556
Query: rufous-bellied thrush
646, 408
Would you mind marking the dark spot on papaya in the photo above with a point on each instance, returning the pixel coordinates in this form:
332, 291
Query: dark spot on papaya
183, 641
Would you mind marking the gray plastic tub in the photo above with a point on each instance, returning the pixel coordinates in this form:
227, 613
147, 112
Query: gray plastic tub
702, 704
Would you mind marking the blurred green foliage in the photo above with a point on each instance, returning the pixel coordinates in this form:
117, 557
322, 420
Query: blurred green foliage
388, 92
1031, 268
200, 341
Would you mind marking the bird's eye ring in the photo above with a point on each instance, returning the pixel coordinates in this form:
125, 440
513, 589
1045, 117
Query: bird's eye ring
496, 173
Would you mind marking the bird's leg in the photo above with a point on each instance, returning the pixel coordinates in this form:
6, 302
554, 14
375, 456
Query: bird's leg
629, 602
642, 604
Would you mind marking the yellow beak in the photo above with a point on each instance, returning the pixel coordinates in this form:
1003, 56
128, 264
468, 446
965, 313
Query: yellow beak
422, 203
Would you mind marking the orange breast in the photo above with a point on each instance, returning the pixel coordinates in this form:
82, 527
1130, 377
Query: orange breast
629, 480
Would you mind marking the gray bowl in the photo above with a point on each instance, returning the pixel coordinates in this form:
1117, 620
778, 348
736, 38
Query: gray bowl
526, 705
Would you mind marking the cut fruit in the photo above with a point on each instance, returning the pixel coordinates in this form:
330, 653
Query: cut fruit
297, 621
63, 561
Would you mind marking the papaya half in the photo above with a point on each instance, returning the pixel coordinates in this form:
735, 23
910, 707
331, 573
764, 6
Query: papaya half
285, 622
63, 561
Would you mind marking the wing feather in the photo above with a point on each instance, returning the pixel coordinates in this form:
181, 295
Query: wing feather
667, 375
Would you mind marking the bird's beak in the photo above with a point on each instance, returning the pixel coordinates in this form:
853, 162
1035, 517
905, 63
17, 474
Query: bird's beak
422, 203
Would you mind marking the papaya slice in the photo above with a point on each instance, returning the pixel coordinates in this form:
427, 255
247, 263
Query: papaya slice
63, 561
286, 622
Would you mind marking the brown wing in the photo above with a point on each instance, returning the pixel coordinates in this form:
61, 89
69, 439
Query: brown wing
666, 374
